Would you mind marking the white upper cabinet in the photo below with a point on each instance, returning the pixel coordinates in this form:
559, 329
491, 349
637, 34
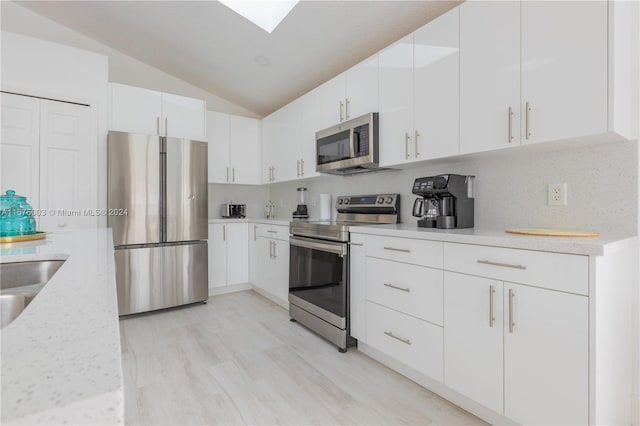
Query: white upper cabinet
234, 149
310, 123
396, 103
283, 144
436, 65
184, 117
138, 110
362, 89
135, 110
489, 75
218, 150
244, 150
332, 99
564, 69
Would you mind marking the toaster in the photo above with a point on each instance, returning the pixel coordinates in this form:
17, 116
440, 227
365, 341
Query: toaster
233, 211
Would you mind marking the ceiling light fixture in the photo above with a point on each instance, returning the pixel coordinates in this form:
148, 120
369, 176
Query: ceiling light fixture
267, 14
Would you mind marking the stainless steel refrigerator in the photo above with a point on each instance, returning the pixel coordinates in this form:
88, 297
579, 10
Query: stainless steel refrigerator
158, 215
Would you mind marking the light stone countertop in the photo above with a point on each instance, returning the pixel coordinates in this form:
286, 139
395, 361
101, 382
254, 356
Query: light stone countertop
499, 238
252, 220
61, 360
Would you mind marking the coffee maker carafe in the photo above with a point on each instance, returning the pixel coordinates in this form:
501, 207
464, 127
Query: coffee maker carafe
446, 201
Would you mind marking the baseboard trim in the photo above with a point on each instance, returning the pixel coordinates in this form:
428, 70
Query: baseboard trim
274, 299
436, 387
215, 291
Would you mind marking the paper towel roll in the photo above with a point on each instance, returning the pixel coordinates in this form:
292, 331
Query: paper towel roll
325, 206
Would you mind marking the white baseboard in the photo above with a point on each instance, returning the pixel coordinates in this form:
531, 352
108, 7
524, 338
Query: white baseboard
215, 291
436, 387
274, 299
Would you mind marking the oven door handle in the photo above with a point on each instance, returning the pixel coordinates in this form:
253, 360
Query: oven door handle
337, 248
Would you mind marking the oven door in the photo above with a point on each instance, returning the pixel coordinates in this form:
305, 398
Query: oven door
318, 274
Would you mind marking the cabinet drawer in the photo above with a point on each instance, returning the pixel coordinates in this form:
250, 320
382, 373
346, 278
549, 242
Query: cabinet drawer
411, 341
556, 271
418, 252
276, 232
411, 289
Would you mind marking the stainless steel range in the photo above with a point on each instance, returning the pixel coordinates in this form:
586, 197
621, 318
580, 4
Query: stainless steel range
319, 264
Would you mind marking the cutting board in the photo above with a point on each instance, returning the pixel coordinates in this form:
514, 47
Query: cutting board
553, 232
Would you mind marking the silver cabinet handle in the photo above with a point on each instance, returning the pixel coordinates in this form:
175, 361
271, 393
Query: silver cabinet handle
346, 109
527, 110
406, 145
510, 113
255, 232
272, 232
492, 317
301, 167
273, 174
415, 142
158, 125
504, 265
397, 249
356, 244
233, 174
227, 174
341, 111
407, 290
166, 126
390, 334
270, 249
274, 249
511, 322
298, 168
224, 232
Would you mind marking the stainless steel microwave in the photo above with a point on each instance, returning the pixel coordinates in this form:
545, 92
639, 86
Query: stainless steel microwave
350, 147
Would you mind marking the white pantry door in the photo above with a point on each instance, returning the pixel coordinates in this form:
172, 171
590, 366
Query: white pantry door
68, 165
19, 146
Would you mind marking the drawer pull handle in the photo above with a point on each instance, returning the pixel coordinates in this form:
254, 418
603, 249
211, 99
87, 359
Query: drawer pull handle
396, 249
405, 341
356, 244
408, 290
272, 232
504, 265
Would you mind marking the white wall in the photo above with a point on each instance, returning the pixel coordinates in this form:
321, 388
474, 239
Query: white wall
254, 196
511, 187
122, 68
40, 68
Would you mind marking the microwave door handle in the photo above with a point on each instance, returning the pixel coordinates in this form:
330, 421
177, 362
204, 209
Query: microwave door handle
352, 143
356, 143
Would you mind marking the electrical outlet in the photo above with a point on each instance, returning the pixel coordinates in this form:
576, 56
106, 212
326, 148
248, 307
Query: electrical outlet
557, 194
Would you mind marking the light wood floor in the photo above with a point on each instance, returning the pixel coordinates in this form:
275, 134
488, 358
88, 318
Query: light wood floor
238, 360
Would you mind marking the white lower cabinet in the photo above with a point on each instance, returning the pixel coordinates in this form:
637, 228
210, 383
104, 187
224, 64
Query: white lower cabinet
270, 261
521, 350
228, 254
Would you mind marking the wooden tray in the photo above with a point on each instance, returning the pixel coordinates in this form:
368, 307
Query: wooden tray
22, 238
553, 232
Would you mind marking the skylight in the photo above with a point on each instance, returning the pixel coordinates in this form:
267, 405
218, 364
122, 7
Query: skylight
267, 14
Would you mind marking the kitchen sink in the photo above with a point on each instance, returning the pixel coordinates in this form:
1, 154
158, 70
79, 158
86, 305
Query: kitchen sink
20, 283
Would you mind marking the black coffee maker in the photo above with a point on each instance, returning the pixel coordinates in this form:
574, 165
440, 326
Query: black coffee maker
446, 201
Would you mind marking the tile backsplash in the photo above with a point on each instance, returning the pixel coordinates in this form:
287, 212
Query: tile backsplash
510, 188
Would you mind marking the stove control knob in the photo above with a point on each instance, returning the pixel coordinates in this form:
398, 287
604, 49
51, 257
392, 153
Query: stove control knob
346, 201
389, 200
339, 201
380, 200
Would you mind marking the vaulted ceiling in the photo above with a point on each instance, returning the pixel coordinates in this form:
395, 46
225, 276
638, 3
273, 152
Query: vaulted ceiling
212, 47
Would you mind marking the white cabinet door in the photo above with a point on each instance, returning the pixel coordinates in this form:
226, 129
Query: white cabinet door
218, 149
254, 253
264, 271
280, 283
237, 253
269, 133
217, 255
436, 61
473, 357
362, 88
20, 147
244, 148
489, 75
546, 356
184, 117
310, 123
396, 103
135, 110
68, 165
358, 286
564, 69
332, 100
289, 150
